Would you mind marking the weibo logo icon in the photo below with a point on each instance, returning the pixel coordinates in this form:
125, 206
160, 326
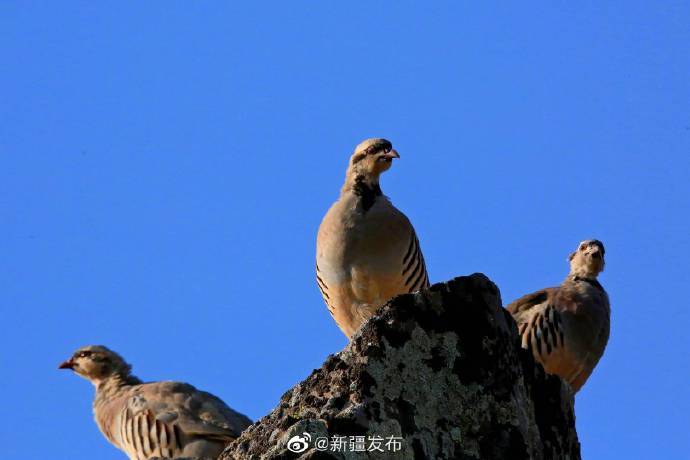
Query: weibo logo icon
299, 443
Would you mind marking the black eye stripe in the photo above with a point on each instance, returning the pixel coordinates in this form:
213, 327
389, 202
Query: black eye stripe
591, 245
92, 356
378, 147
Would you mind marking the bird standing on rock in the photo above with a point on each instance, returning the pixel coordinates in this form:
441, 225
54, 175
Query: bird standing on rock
567, 327
158, 419
366, 250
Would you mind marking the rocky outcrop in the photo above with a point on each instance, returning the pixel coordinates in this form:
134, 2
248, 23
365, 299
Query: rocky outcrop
437, 374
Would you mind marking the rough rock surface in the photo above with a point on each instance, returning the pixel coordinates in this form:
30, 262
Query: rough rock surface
443, 370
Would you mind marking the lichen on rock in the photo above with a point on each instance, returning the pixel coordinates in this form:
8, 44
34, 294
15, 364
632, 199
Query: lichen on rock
441, 372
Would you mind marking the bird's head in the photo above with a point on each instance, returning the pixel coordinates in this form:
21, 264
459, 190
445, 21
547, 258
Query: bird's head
372, 157
96, 363
588, 259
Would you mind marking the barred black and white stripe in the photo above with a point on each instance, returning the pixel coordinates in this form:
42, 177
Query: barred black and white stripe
143, 436
414, 269
324, 290
543, 333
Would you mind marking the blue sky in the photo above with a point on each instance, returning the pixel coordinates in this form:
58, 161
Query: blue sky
164, 168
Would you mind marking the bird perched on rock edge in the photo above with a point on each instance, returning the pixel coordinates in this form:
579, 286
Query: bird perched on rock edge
366, 250
566, 328
158, 419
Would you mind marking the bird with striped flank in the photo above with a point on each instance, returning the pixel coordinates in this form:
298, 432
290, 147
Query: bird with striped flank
154, 420
366, 250
567, 327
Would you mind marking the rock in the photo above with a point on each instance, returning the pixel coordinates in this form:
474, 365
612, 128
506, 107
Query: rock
436, 374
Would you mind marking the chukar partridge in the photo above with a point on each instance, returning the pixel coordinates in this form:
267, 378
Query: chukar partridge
567, 327
366, 250
151, 420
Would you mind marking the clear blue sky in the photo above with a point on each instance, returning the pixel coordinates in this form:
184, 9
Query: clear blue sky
164, 167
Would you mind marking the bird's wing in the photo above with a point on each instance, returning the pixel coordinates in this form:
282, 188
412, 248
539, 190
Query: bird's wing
539, 323
196, 412
565, 332
158, 419
529, 301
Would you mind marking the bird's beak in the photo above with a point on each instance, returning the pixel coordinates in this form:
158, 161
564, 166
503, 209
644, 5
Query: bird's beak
392, 154
67, 365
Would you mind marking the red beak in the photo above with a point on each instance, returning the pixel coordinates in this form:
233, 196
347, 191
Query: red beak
66, 365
